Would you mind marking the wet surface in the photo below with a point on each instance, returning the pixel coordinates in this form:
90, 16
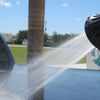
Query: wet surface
13, 85
72, 84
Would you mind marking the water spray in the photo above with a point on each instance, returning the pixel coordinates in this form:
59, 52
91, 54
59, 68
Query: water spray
27, 81
67, 54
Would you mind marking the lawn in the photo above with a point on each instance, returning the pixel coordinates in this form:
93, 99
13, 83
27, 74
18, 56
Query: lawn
83, 60
20, 55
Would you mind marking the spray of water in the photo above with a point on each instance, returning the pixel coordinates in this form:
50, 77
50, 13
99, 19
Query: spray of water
66, 54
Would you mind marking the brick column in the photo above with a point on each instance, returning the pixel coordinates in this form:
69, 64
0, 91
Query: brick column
36, 27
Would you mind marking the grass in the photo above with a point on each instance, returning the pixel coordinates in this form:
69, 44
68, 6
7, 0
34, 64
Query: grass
82, 61
20, 55
46, 50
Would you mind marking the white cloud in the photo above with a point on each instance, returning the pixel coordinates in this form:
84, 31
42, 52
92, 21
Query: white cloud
4, 3
65, 5
7, 4
78, 19
18, 2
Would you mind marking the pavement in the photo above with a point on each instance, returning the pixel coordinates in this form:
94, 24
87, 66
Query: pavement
16, 45
77, 66
11, 45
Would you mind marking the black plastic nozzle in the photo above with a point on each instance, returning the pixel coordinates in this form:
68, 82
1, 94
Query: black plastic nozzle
92, 29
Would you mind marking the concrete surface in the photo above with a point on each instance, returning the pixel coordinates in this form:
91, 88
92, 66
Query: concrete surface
77, 66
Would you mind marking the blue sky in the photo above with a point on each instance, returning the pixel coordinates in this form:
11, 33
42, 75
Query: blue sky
63, 16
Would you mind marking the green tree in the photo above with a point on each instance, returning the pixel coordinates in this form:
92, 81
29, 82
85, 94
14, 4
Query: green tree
45, 39
21, 36
58, 39
55, 37
45, 27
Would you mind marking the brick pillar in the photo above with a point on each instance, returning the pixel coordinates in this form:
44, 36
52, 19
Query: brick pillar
35, 47
35, 28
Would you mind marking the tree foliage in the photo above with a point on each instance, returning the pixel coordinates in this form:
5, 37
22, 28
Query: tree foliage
55, 37
21, 36
45, 39
60, 38
52, 41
